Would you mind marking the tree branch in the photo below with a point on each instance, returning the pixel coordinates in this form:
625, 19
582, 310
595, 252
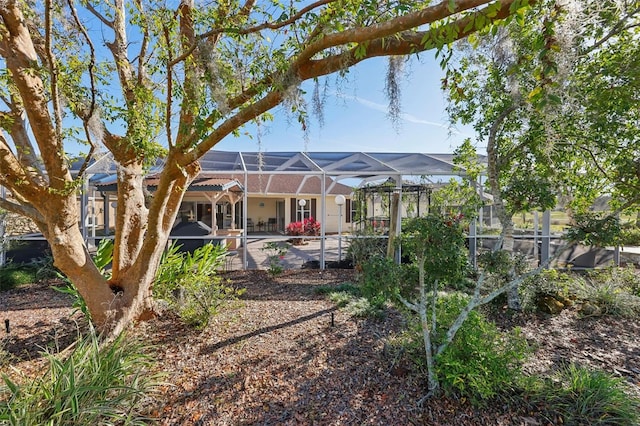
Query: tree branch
398, 44
618, 28
53, 73
21, 59
98, 15
244, 12
22, 210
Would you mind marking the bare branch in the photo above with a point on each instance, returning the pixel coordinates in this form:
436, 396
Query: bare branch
143, 45
20, 59
245, 115
169, 87
14, 176
92, 59
402, 44
187, 33
53, 72
99, 15
246, 8
22, 210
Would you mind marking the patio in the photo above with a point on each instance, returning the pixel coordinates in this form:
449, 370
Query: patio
296, 256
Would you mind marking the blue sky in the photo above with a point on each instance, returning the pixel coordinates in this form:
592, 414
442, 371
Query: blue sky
356, 118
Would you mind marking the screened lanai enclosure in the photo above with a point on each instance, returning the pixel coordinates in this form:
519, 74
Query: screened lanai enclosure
244, 199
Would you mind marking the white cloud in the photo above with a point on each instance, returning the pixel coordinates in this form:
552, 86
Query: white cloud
404, 116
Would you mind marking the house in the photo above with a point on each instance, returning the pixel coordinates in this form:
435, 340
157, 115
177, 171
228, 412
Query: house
272, 201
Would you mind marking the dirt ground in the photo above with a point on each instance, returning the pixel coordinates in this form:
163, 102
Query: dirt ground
286, 356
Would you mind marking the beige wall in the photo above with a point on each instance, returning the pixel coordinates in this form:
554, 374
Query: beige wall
256, 211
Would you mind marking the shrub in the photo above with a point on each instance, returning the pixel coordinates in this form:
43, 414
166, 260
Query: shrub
381, 278
549, 282
608, 294
189, 283
275, 255
365, 245
481, 362
309, 226
95, 384
630, 236
581, 396
345, 287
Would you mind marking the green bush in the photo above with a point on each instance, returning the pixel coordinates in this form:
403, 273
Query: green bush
630, 236
15, 274
549, 282
584, 397
381, 278
481, 362
189, 283
365, 245
94, 385
275, 255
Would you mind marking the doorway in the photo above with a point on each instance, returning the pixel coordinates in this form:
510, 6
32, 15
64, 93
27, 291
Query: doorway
280, 215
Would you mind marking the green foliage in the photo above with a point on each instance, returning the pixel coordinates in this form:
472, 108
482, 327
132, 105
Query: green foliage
78, 305
104, 256
94, 384
275, 255
528, 192
549, 282
460, 196
382, 279
14, 274
364, 245
481, 362
438, 242
611, 291
584, 397
357, 307
190, 285
594, 229
629, 236
345, 287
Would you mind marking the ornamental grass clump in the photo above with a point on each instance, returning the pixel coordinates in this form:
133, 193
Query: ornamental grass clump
580, 396
96, 383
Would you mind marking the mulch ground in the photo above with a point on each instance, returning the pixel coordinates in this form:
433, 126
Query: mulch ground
285, 355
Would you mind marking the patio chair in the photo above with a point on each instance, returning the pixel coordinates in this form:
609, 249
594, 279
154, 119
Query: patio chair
250, 227
272, 224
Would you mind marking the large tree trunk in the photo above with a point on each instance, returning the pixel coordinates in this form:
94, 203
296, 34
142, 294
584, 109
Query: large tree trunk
140, 241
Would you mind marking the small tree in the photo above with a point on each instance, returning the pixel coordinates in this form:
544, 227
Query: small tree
437, 243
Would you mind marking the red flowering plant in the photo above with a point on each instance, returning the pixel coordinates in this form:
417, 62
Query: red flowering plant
311, 227
308, 226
